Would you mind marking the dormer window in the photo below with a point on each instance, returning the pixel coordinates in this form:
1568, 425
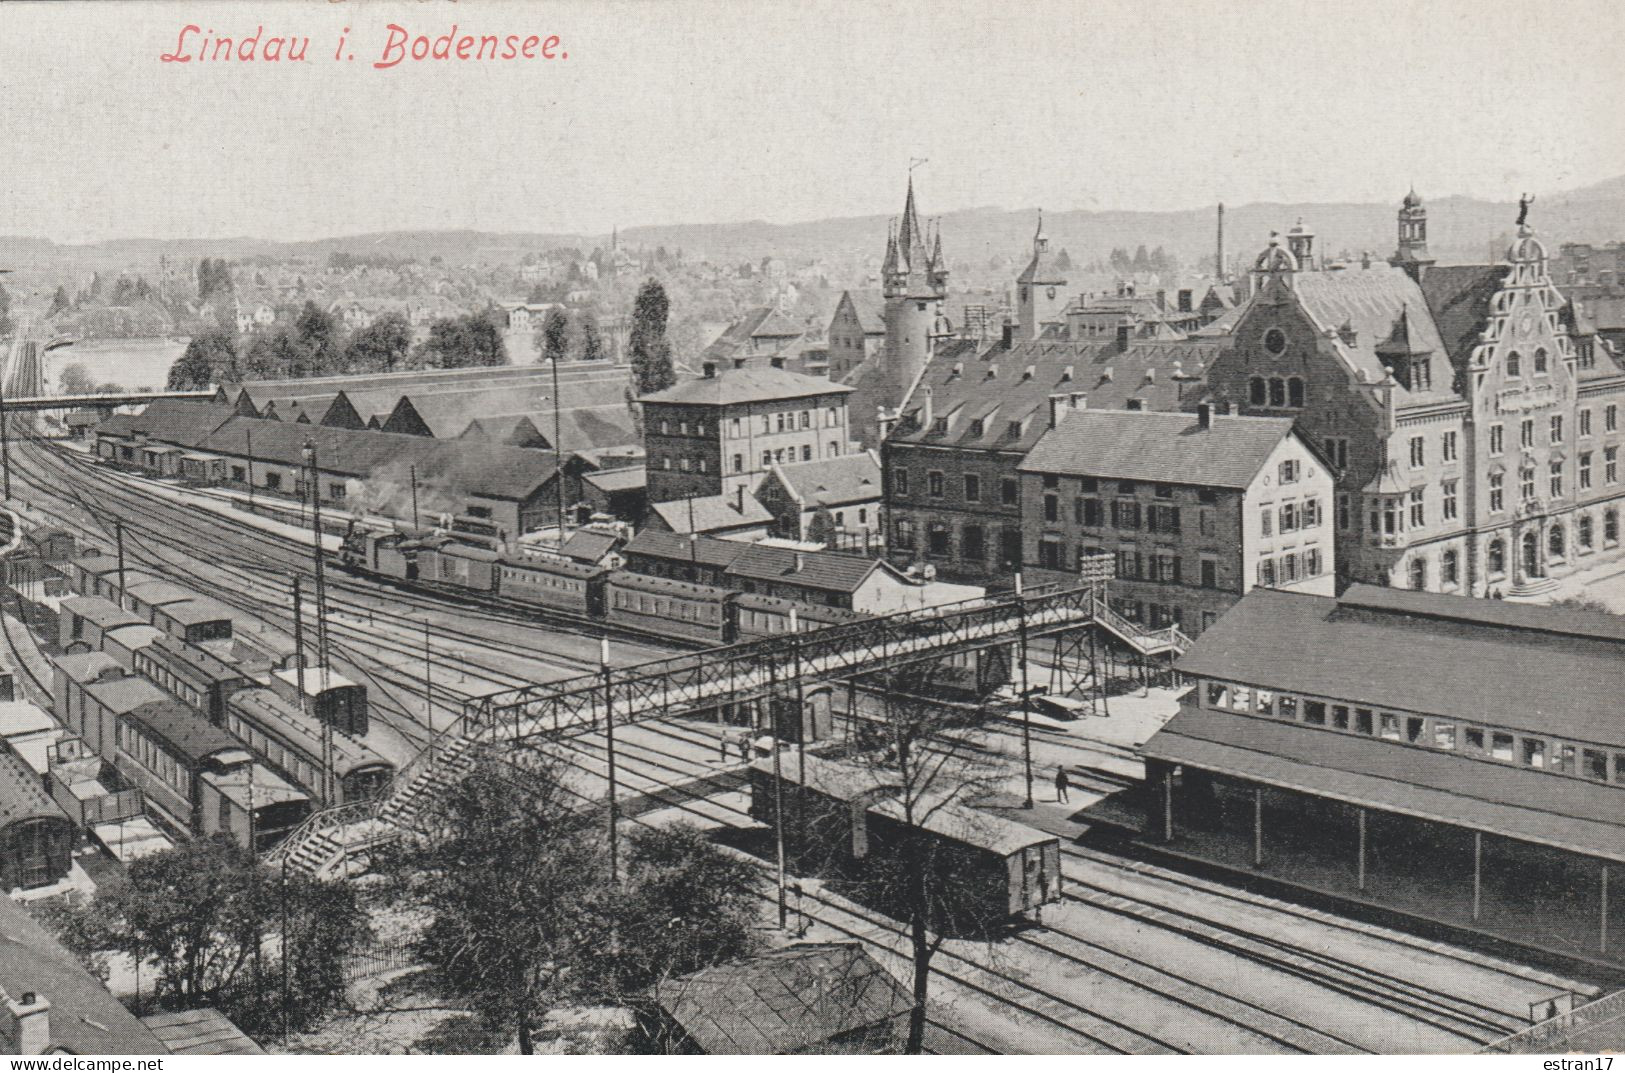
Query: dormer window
1421, 374
1015, 428
940, 425
976, 428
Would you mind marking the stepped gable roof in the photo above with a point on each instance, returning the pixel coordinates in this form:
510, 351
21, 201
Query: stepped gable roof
182, 422
1166, 448
750, 384
85, 1018
823, 570
711, 513
784, 1001
494, 471
845, 479
194, 737
1451, 656
1369, 301
992, 385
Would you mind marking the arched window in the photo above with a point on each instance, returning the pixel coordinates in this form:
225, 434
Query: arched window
1514, 364
1256, 391
1295, 391
1540, 359
1277, 391
1497, 556
1419, 573
1449, 568
1554, 542
1583, 535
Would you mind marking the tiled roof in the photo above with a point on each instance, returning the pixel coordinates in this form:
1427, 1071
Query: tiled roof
22, 795
846, 479
870, 310
595, 410
1479, 661
823, 570
457, 466
85, 1017
711, 514
182, 422
1458, 297
1370, 301
758, 384
993, 384
676, 547
618, 480
1168, 448
196, 738
589, 546
784, 1001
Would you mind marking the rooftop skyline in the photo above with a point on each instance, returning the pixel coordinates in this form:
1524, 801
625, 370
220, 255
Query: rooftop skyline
695, 112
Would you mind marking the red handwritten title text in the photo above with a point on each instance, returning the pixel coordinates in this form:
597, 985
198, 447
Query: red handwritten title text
194, 43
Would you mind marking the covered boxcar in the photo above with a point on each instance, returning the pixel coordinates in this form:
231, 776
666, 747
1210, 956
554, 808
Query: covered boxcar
462, 565
850, 814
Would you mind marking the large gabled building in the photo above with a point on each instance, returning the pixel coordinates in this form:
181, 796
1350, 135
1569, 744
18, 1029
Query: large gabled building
1472, 417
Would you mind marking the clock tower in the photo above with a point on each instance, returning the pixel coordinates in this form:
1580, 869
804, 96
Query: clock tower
1041, 288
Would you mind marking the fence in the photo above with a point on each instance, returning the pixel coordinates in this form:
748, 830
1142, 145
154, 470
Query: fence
1552, 1036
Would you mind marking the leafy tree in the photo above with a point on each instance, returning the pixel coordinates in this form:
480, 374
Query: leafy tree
75, 379
1142, 260
275, 356
380, 347
1063, 260
200, 914
462, 342
60, 302
212, 276
1122, 264
651, 354
317, 332
513, 877
684, 905
554, 341
210, 358
822, 528
592, 343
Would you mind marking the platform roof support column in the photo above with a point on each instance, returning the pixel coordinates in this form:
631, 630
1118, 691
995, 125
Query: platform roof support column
1478, 871
1602, 923
1168, 804
1360, 870
1258, 827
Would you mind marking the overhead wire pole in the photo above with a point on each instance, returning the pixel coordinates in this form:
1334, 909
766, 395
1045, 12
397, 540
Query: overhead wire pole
5, 418
609, 749
1026, 693
778, 786
322, 656
428, 691
118, 539
558, 446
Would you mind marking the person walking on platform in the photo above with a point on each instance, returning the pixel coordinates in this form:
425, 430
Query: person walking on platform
1061, 784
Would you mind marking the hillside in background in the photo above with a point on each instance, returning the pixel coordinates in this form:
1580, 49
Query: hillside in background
1461, 229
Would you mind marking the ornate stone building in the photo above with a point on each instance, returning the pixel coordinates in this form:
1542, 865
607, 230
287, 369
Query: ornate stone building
1472, 418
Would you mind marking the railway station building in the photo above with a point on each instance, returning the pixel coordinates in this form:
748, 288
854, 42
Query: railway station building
1440, 757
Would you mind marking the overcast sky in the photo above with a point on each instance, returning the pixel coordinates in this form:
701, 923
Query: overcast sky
690, 112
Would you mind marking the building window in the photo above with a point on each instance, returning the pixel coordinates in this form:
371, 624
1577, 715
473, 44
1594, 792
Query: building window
1557, 428
973, 544
1009, 492
1418, 452
733, 428
1417, 509
1449, 488
937, 540
767, 460
1540, 359
1585, 422
1447, 447
1497, 500
899, 481
973, 488
834, 449
903, 534
1585, 470
1610, 418
1526, 483
1450, 568
933, 484
1266, 521
1610, 465
1277, 391
1610, 528
1295, 391
1514, 366
1257, 393
1210, 572
832, 417
1289, 471
1497, 558
1526, 432
1557, 478
1337, 451
1344, 516
1554, 542
1049, 554
1419, 574
1128, 563
1388, 726
1052, 507
1266, 573
739, 463
1583, 532
1497, 440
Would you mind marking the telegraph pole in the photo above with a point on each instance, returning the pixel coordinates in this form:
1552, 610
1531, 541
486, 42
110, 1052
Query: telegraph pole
248, 435
118, 536
1026, 694
609, 748
321, 600
414, 470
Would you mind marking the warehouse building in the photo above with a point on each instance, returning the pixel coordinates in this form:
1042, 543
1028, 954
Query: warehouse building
1444, 757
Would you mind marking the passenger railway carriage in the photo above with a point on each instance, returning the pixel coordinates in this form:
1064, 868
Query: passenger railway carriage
554, 583
685, 609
